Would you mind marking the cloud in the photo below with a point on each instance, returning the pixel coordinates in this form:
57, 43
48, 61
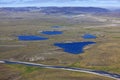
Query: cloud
36, 1
9, 1
60, 2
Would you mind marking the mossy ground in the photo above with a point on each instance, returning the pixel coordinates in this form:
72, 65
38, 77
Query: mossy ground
102, 56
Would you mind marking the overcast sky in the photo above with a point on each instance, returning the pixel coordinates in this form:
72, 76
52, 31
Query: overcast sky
92, 3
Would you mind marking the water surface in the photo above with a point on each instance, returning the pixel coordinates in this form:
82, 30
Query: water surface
56, 26
52, 32
74, 47
89, 36
31, 38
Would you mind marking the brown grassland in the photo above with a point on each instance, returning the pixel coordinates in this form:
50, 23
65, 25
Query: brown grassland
104, 55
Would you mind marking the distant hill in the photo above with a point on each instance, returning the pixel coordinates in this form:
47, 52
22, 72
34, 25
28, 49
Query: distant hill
57, 10
18, 9
117, 10
113, 13
73, 10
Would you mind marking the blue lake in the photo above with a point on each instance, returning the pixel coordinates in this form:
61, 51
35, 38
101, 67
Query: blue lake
56, 26
89, 36
52, 32
74, 48
31, 38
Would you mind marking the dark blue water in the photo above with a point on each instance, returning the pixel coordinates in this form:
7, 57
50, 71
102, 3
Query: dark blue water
52, 32
56, 26
74, 48
31, 38
89, 36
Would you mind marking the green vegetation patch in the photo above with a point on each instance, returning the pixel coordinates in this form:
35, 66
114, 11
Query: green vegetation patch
24, 69
112, 69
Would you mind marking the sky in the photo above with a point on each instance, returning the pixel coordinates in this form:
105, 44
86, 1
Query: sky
61, 3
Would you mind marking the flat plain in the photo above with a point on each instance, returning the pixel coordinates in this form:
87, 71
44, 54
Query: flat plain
104, 55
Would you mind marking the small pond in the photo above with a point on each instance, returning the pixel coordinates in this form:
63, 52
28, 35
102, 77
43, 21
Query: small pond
31, 38
74, 47
89, 36
52, 32
56, 26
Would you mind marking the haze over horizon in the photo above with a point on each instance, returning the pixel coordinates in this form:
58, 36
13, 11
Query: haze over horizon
61, 3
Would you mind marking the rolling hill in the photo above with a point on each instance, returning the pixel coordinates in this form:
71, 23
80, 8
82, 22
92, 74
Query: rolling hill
57, 10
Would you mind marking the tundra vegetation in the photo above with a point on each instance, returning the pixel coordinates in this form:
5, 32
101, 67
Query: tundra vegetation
104, 55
